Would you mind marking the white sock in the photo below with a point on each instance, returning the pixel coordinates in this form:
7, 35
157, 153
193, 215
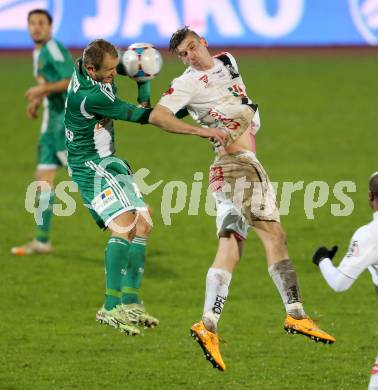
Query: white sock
217, 284
285, 279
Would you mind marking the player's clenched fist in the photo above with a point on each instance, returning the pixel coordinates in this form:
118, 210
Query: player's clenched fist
324, 253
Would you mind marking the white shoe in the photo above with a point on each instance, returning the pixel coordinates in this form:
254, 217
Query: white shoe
32, 248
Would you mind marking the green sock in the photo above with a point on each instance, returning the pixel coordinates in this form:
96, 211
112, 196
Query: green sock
132, 281
116, 254
45, 203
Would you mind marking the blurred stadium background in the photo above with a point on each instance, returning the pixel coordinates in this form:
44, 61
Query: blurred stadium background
312, 67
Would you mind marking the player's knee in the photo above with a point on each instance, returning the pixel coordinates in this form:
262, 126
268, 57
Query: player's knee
228, 251
126, 235
143, 228
124, 226
46, 178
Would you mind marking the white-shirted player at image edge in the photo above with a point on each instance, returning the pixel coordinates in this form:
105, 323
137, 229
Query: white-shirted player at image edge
362, 254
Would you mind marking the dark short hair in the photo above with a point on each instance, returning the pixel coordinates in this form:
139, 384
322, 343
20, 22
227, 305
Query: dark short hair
179, 36
42, 12
95, 52
373, 184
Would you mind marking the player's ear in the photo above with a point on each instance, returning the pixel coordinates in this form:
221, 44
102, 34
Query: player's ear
371, 196
90, 69
204, 42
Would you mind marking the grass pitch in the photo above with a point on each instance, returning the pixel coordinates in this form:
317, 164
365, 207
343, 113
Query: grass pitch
318, 124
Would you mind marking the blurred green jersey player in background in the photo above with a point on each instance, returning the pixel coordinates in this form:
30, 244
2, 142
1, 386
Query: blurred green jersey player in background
53, 68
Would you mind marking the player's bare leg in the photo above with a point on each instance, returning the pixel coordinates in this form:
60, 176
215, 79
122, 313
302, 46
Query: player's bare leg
41, 243
284, 276
218, 280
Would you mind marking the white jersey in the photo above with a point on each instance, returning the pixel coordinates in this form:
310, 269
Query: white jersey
363, 252
215, 97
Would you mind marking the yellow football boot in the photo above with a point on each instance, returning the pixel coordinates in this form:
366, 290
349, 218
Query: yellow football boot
209, 343
307, 327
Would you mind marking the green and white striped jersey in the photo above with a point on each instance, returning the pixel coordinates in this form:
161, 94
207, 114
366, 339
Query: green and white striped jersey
53, 62
91, 107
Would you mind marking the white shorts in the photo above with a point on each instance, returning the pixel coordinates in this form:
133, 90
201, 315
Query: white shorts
243, 193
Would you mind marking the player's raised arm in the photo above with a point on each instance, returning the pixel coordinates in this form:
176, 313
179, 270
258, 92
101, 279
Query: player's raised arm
162, 117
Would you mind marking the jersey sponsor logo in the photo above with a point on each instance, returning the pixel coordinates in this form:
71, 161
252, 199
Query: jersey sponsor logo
104, 200
231, 124
364, 15
353, 250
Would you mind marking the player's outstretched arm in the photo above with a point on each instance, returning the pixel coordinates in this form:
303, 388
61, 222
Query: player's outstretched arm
162, 117
333, 276
45, 88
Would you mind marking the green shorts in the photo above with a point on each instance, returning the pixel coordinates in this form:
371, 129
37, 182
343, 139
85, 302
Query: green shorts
107, 187
52, 151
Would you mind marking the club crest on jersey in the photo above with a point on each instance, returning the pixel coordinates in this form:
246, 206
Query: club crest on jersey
103, 200
204, 79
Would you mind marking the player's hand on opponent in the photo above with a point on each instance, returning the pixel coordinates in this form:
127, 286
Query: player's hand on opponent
324, 253
217, 135
146, 104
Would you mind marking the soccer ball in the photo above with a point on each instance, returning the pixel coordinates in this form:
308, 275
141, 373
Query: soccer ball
142, 61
